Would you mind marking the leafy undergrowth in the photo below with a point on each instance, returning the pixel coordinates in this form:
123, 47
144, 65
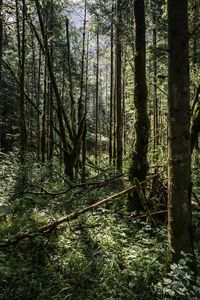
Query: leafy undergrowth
100, 256
104, 254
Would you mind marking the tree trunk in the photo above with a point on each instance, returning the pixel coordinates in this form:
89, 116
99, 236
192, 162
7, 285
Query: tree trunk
97, 103
84, 149
60, 112
23, 134
51, 96
70, 79
111, 90
179, 165
139, 164
155, 96
43, 133
38, 105
80, 102
1, 49
119, 85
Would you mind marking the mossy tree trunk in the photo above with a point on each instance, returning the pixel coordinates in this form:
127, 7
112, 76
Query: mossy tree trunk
179, 151
155, 96
119, 85
139, 164
1, 46
111, 87
97, 101
22, 57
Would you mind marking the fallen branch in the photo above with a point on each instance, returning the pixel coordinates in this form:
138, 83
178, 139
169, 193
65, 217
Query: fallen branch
195, 206
74, 215
45, 192
152, 214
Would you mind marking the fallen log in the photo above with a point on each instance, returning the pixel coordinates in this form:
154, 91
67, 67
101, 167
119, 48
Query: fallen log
52, 225
72, 216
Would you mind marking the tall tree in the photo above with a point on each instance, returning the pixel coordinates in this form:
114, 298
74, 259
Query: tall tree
82, 101
97, 100
50, 22
1, 49
119, 84
70, 79
22, 56
111, 87
179, 163
139, 164
155, 96
72, 145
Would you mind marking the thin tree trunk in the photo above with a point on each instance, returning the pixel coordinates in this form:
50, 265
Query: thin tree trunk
38, 105
84, 150
114, 122
139, 165
80, 103
124, 108
119, 86
23, 134
1, 49
111, 89
43, 133
179, 164
97, 103
51, 98
70, 79
155, 96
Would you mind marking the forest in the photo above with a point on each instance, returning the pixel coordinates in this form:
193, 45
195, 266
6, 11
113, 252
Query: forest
99, 149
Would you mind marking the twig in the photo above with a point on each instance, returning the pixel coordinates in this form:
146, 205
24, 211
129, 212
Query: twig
152, 214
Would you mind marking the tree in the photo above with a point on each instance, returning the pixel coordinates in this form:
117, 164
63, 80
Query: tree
155, 96
179, 161
139, 164
119, 85
111, 87
71, 146
1, 48
22, 57
97, 100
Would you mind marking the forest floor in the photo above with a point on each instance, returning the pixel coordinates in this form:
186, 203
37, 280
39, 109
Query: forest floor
106, 253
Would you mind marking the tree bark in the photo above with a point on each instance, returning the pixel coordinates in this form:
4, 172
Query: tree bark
23, 133
97, 103
139, 164
51, 95
155, 96
1, 49
80, 102
111, 89
179, 151
70, 79
119, 85
84, 148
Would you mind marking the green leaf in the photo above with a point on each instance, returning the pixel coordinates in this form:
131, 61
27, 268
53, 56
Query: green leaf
167, 281
5, 210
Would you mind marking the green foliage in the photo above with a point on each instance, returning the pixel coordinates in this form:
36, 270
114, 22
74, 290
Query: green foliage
179, 283
104, 254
